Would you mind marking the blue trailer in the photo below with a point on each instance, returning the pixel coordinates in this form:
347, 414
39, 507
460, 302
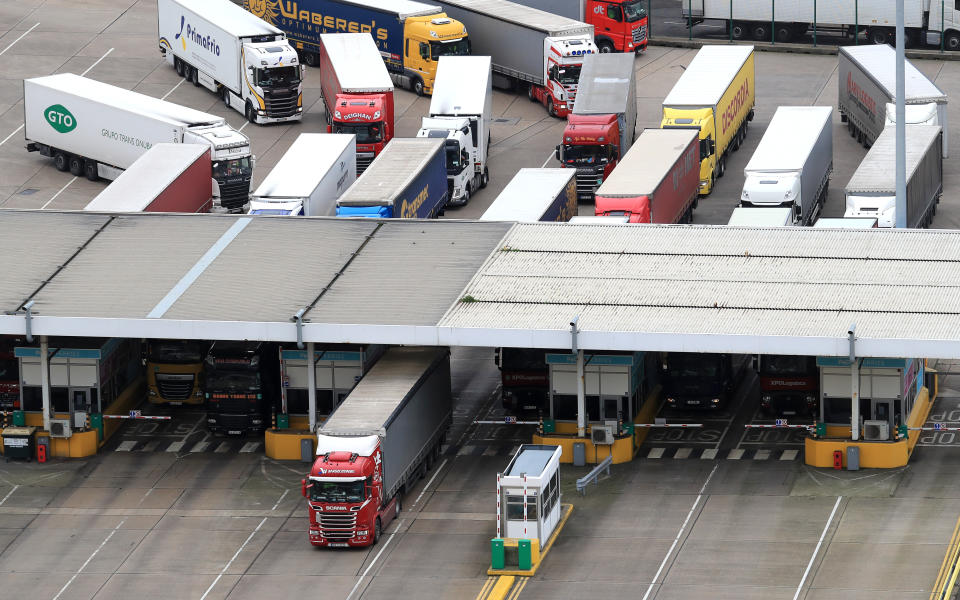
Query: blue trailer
408, 180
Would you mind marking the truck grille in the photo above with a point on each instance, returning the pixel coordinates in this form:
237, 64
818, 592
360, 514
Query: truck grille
234, 195
586, 184
338, 525
363, 161
231, 422
280, 103
639, 34
175, 387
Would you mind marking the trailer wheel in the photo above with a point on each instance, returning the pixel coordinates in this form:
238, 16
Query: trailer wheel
739, 30
760, 32
784, 33
850, 128
60, 161
195, 77
186, 71
90, 170
485, 178
879, 35
76, 166
418, 86
310, 58
178, 66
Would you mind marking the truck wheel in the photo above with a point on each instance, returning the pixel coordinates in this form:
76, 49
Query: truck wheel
466, 195
760, 32
850, 128
605, 47
739, 30
952, 41
418, 87
249, 114
550, 110
226, 96
90, 170
721, 167
60, 161
485, 178
530, 93
76, 166
377, 530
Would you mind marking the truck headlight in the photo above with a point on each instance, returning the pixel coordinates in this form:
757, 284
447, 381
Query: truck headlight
256, 421
671, 400
211, 420
716, 401
153, 393
766, 399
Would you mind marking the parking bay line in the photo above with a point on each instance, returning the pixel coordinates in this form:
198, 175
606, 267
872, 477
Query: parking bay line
89, 558
235, 555
22, 35
817, 549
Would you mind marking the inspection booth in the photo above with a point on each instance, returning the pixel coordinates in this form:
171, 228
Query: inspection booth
528, 507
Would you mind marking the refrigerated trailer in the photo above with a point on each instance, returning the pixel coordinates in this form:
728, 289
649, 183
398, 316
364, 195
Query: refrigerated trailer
98, 130
232, 53
528, 46
312, 174
385, 434
167, 178
536, 195
867, 85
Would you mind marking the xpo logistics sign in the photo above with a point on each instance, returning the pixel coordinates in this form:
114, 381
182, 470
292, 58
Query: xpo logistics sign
60, 118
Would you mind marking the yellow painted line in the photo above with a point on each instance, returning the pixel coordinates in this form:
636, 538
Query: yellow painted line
501, 588
486, 588
948, 566
518, 588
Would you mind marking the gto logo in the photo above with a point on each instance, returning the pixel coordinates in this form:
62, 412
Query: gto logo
60, 118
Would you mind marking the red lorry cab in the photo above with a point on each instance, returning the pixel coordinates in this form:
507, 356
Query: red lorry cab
618, 25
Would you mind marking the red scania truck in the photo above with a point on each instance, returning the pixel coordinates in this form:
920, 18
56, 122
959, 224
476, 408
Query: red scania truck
383, 436
357, 92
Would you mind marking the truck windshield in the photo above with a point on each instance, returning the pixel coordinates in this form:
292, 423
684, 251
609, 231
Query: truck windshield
336, 491
232, 168
456, 160
633, 11
277, 77
175, 352
366, 133
583, 155
566, 75
785, 365
692, 365
457, 48
238, 382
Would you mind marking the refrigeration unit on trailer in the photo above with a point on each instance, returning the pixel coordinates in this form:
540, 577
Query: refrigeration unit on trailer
410, 36
716, 96
246, 61
867, 87
314, 171
528, 47
167, 178
792, 164
619, 25
357, 92
761, 217
98, 130
460, 113
536, 195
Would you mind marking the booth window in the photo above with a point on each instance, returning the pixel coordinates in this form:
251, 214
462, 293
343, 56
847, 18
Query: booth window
515, 508
33, 398
299, 404
551, 493
565, 407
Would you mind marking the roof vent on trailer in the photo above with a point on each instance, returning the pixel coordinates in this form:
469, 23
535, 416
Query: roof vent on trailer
441, 21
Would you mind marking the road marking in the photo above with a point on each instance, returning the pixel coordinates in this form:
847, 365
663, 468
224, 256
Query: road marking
280, 499
235, 555
22, 35
370, 566
164, 97
424, 490
89, 558
663, 563
200, 447
709, 454
150, 446
817, 549
10, 493
518, 588
244, 125
549, 158
490, 451
96, 63
789, 454
486, 588
223, 448
735, 454
58, 193
11, 135
175, 446
762, 454
683, 453
656, 453
126, 446
249, 447
465, 450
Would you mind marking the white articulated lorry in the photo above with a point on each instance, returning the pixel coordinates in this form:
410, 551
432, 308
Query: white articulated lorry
867, 77
792, 164
460, 111
315, 170
871, 192
536, 195
247, 61
98, 130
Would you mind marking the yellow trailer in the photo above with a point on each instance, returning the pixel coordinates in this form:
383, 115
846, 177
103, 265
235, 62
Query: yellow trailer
715, 95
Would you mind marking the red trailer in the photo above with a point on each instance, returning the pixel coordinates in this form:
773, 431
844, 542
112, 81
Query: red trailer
167, 178
657, 180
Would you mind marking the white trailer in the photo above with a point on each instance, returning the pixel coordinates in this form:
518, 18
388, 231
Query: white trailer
761, 217
460, 112
536, 195
315, 170
792, 164
98, 130
231, 52
867, 79
595, 220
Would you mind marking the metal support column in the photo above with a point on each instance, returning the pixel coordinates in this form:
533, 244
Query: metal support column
901, 165
854, 386
311, 387
581, 398
45, 381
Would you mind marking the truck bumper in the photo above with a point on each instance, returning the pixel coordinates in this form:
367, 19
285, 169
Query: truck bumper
317, 539
263, 119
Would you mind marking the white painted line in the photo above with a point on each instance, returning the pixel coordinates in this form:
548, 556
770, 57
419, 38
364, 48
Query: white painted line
11, 135
490, 451
150, 446
444, 448
789, 455
465, 450
817, 549
200, 447
373, 562
96, 63
89, 558
175, 446
656, 453
126, 446
10, 493
683, 452
249, 447
223, 448
197, 269
164, 97
680, 533
424, 490
22, 35
762, 454
244, 125
709, 454
735, 454
230, 562
549, 158
279, 500
58, 193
